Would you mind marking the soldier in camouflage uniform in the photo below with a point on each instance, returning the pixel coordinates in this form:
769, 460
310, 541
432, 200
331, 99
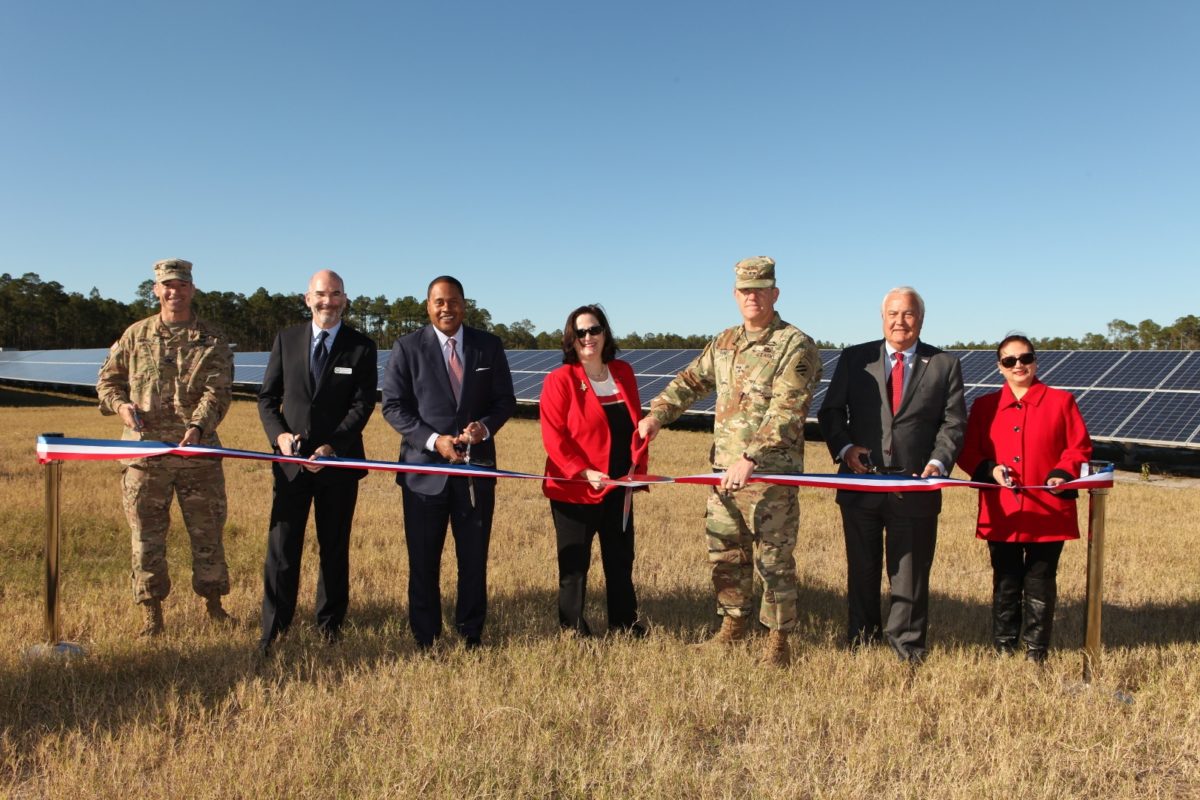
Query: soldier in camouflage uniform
764, 372
169, 378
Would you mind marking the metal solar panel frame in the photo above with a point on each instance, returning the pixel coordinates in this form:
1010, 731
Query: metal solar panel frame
58, 367
1113, 409
1141, 397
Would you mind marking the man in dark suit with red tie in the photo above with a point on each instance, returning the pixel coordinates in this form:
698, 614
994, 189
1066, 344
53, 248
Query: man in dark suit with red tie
893, 406
317, 395
447, 390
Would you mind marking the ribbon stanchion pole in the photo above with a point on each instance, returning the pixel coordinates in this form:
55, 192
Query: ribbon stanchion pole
53, 540
53, 646
1097, 500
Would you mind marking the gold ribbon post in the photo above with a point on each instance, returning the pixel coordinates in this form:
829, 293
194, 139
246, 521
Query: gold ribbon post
1097, 499
53, 646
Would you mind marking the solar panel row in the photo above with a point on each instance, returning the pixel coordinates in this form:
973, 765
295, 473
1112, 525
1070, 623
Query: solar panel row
1144, 397
65, 367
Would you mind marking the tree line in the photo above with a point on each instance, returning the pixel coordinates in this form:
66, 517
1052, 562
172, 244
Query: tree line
1183, 334
41, 315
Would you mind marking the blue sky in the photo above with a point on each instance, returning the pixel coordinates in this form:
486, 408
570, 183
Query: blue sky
1028, 166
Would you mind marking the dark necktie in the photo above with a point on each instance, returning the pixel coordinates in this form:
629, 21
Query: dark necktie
320, 354
456, 371
897, 382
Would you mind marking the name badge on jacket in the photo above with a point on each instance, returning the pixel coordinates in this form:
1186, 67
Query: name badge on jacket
342, 371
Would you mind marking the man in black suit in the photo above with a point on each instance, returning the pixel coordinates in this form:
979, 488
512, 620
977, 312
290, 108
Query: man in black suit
447, 389
316, 397
893, 406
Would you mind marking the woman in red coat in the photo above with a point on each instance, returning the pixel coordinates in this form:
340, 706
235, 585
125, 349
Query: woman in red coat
589, 412
1026, 434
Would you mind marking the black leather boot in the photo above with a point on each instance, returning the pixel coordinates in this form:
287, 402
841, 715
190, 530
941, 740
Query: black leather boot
1040, 597
1006, 612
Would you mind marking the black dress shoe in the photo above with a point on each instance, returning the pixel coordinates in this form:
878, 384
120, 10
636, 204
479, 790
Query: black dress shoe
863, 642
580, 629
330, 636
474, 642
637, 630
913, 658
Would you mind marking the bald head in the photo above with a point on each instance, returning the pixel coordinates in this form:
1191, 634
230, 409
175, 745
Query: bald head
326, 277
326, 298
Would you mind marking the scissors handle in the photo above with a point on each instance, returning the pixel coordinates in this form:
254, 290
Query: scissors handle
636, 451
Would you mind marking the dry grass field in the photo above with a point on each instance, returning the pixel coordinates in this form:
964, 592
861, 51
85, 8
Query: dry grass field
533, 715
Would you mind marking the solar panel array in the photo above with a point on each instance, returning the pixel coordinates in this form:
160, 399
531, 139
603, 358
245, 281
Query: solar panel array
80, 367
1135, 396
63, 367
654, 370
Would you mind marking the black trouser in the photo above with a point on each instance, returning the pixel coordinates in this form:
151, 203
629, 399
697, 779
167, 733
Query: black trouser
575, 524
469, 515
1024, 576
333, 498
911, 542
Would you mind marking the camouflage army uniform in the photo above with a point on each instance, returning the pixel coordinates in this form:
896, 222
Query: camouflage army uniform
178, 375
764, 384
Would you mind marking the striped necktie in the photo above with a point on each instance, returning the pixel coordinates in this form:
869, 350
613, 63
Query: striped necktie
456, 371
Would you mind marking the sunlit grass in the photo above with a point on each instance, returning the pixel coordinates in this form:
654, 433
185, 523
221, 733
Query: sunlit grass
533, 715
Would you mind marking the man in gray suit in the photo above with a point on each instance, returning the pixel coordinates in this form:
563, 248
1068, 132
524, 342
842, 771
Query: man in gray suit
893, 406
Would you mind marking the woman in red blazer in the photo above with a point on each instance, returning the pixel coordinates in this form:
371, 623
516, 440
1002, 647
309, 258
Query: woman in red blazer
1026, 434
589, 412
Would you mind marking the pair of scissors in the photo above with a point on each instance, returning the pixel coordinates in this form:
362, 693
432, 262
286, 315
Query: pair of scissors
636, 451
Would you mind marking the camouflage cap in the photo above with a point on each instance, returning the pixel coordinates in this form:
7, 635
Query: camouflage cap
754, 273
173, 269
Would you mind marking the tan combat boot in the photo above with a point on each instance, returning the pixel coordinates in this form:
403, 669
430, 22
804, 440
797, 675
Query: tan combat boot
212, 604
776, 652
152, 616
733, 629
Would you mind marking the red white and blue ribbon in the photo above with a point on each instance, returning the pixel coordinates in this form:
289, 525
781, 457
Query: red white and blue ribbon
58, 448
898, 483
53, 448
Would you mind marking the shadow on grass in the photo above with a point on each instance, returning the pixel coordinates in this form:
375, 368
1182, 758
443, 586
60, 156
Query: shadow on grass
1131, 626
956, 622
141, 681
689, 614
18, 396
109, 691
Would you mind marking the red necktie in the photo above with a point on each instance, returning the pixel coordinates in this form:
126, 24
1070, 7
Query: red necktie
897, 382
456, 371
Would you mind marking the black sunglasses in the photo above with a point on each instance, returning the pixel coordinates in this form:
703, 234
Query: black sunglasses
595, 330
1008, 362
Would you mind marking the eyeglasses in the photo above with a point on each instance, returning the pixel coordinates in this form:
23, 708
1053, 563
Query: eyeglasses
1008, 362
595, 330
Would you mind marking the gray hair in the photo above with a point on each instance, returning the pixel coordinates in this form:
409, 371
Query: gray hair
908, 290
